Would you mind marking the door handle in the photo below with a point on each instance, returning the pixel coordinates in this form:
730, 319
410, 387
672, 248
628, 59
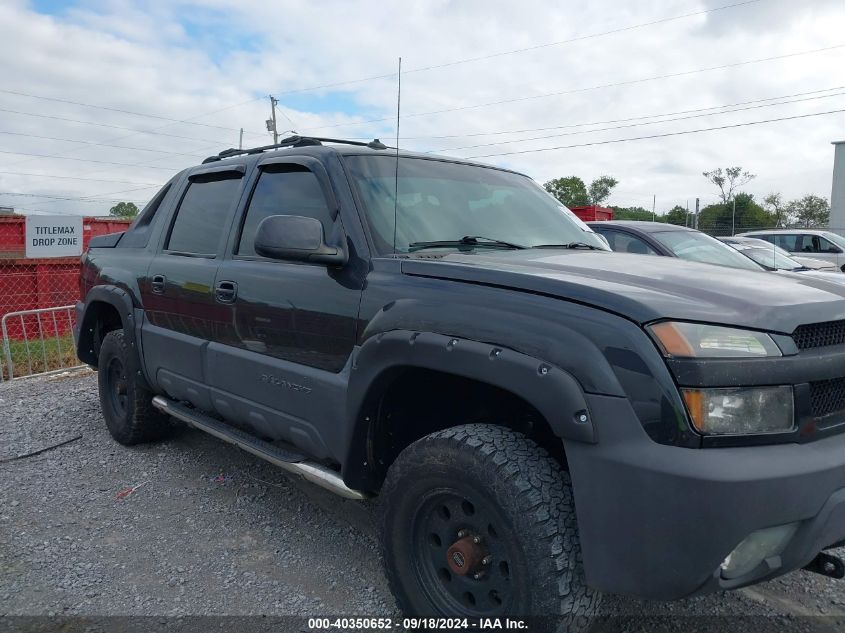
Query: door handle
158, 283
226, 291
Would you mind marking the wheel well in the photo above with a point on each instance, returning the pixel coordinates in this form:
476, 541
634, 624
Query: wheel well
412, 402
100, 319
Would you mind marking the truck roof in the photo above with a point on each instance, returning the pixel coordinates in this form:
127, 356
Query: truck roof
642, 225
317, 147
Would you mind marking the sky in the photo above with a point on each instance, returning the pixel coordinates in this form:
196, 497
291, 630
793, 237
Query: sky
104, 100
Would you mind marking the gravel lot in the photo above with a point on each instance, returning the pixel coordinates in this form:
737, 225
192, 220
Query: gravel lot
212, 530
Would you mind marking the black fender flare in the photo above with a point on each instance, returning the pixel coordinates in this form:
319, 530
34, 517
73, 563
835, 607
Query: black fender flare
555, 393
117, 298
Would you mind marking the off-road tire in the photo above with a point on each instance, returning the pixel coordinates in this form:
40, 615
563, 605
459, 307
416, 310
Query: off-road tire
511, 483
125, 398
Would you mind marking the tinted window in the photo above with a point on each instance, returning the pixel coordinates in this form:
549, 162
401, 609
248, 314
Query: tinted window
138, 233
770, 258
201, 218
625, 243
699, 247
786, 242
825, 246
838, 240
284, 190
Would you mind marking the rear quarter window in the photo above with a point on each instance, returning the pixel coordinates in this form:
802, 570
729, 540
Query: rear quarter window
201, 217
138, 233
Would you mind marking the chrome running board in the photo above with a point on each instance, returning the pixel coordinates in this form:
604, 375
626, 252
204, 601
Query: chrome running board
286, 460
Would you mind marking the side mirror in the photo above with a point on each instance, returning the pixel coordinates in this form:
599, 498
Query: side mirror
298, 239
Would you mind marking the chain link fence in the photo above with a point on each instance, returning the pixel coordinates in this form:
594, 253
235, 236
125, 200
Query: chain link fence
37, 315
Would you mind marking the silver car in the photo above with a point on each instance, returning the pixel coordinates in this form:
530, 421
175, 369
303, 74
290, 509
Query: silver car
816, 243
812, 263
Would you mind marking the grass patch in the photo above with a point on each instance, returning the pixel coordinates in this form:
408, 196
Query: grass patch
33, 358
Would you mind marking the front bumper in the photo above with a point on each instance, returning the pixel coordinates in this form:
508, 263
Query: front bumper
657, 521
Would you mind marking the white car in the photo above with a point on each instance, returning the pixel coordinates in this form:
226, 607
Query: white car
816, 243
807, 262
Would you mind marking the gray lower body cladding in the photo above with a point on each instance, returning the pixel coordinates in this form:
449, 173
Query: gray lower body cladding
657, 521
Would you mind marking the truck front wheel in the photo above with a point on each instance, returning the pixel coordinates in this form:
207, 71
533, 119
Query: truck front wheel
125, 399
478, 521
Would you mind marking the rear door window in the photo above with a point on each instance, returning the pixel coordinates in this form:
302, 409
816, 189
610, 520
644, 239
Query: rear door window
201, 218
791, 243
626, 243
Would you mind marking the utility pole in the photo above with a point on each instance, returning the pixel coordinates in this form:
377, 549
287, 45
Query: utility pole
271, 123
241, 141
733, 219
653, 206
686, 219
696, 213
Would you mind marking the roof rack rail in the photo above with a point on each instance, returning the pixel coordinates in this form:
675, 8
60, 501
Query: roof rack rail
293, 141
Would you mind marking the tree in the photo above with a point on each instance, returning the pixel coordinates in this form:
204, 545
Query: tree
633, 213
571, 191
809, 211
600, 189
776, 207
728, 180
720, 219
676, 215
124, 210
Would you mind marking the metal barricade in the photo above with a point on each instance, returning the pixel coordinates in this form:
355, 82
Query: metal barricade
37, 342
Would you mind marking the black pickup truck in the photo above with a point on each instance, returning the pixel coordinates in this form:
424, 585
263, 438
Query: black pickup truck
541, 419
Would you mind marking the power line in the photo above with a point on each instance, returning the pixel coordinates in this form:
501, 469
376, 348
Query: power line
630, 125
191, 120
652, 136
520, 50
86, 160
65, 198
591, 88
106, 125
91, 198
111, 109
84, 142
625, 120
55, 176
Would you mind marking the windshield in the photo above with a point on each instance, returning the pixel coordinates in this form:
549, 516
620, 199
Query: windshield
699, 247
443, 201
770, 258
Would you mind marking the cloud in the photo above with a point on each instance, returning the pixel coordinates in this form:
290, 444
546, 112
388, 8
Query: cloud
210, 64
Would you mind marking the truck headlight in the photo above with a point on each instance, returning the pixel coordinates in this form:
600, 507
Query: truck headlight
741, 410
697, 340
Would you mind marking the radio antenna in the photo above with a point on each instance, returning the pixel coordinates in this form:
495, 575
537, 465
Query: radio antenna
396, 170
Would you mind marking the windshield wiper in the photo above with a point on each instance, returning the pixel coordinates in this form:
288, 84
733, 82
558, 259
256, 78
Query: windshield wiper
466, 240
571, 245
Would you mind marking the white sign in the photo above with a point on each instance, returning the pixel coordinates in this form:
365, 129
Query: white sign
53, 236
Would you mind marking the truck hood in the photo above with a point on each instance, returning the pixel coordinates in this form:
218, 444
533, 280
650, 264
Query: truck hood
647, 288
